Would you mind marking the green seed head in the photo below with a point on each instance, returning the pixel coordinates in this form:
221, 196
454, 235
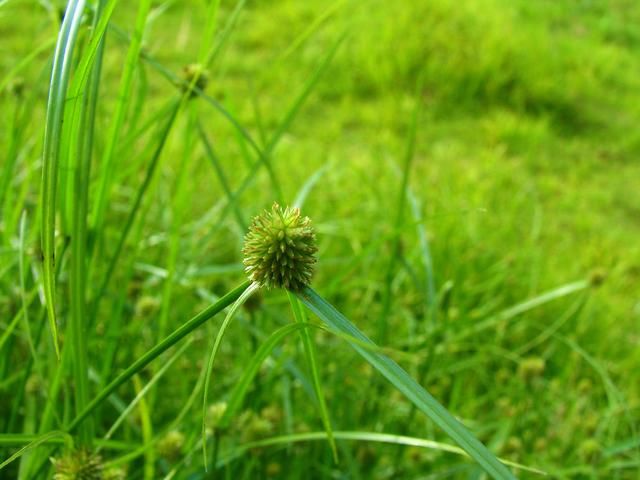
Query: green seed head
81, 464
171, 445
194, 75
279, 249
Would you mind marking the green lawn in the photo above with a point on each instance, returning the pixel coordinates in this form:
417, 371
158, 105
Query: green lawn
504, 277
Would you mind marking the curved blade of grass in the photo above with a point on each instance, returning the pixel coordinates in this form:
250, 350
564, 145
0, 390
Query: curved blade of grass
157, 350
84, 97
364, 437
51, 151
147, 430
209, 30
312, 28
45, 438
22, 64
222, 178
523, 307
310, 353
304, 191
8, 330
408, 386
283, 126
224, 35
212, 356
240, 388
143, 391
22, 268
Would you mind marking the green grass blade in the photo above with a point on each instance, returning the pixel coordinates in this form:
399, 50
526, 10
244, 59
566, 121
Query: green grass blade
22, 64
523, 307
158, 349
84, 97
212, 356
308, 185
47, 437
22, 262
146, 426
312, 28
357, 436
407, 386
143, 391
164, 134
51, 152
124, 94
209, 30
231, 200
383, 320
312, 361
251, 369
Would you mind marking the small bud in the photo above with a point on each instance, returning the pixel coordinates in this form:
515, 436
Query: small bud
531, 368
279, 249
597, 277
215, 413
115, 473
194, 76
170, 447
34, 385
513, 445
274, 469
146, 305
81, 464
589, 449
16, 87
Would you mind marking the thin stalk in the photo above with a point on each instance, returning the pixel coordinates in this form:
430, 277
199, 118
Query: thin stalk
158, 349
83, 126
312, 360
124, 93
137, 202
396, 247
250, 290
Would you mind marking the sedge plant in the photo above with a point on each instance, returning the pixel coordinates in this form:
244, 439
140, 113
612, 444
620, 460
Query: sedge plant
280, 253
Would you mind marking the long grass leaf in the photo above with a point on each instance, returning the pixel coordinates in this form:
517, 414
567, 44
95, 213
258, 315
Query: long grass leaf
407, 386
356, 436
240, 388
312, 361
51, 151
47, 437
124, 94
158, 349
212, 356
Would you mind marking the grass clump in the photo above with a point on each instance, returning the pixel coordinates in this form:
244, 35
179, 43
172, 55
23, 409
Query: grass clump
470, 241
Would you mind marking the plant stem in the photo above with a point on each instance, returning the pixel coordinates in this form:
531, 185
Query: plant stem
156, 351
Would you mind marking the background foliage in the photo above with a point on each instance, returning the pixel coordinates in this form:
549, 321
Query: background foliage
524, 181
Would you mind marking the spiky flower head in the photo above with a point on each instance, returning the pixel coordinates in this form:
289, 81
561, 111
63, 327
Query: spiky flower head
80, 464
279, 249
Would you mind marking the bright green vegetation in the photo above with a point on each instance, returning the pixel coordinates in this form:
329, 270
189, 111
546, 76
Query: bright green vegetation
471, 171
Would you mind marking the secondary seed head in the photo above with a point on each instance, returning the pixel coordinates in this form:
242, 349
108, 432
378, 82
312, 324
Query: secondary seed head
194, 75
279, 249
81, 464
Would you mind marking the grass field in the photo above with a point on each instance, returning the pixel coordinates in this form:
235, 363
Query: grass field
470, 168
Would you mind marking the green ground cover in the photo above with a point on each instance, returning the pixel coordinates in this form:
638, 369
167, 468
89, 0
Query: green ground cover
509, 287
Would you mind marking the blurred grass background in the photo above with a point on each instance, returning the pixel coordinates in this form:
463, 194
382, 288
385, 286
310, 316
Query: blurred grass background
525, 179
